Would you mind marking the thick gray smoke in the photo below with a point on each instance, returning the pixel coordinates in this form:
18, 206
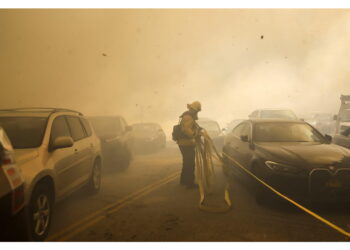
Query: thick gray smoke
148, 64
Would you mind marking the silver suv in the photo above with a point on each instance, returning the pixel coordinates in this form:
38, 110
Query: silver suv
57, 152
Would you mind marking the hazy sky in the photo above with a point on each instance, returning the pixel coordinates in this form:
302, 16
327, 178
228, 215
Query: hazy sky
148, 64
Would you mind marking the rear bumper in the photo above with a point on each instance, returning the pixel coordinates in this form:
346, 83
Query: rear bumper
14, 228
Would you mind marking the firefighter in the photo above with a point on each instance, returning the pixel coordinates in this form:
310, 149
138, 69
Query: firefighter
187, 143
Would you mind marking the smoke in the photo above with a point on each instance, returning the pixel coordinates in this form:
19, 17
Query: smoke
148, 64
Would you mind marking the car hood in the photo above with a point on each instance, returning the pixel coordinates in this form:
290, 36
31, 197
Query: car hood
24, 155
308, 155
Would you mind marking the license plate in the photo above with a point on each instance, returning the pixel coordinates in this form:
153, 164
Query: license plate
333, 184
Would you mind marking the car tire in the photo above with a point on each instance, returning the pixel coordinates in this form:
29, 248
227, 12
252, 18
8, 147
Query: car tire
40, 212
125, 158
94, 184
260, 191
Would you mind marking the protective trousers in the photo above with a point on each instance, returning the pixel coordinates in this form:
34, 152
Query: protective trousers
188, 164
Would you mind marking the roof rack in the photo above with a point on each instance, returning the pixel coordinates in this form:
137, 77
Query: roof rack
42, 109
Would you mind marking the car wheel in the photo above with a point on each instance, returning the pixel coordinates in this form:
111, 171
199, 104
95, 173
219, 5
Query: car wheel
125, 158
94, 183
40, 212
261, 193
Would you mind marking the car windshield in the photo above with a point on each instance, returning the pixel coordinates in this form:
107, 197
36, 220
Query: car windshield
285, 132
345, 116
209, 125
278, 114
144, 127
324, 117
106, 126
24, 132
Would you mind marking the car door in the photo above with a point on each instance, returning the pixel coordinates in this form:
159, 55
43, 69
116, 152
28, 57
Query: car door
90, 141
82, 150
63, 159
233, 141
243, 147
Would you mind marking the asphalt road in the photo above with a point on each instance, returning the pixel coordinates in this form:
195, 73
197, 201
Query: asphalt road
146, 203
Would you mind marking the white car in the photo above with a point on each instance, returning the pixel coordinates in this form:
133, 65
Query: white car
57, 152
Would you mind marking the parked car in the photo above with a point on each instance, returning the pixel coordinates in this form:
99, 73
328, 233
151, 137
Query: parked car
57, 153
323, 122
342, 126
343, 116
13, 223
213, 129
292, 157
231, 125
273, 114
148, 137
115, 137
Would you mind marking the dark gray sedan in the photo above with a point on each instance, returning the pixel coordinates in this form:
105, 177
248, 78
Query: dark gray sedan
292, 157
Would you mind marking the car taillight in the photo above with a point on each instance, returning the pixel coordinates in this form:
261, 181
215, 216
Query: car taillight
18, 199
7, 158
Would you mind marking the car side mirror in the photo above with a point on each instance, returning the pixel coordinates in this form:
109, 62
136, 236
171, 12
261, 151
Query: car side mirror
328, 138
62, 142
244, 138
128, 128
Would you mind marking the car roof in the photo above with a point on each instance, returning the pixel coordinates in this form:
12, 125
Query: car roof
145, 123
273, 109
105, 117
275, 121
34, 112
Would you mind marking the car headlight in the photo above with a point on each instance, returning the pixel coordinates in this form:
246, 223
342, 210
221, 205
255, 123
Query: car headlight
281, 167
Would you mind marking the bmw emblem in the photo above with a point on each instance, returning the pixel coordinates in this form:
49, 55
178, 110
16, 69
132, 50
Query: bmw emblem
331, 168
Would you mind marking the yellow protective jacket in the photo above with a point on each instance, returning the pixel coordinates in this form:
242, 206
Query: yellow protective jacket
190, 128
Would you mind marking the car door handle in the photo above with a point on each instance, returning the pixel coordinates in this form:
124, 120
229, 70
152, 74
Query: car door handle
75, 151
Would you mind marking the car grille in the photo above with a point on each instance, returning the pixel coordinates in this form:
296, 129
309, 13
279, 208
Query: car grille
324, 183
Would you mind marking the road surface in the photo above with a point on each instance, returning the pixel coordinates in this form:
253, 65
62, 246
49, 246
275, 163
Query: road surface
146, 203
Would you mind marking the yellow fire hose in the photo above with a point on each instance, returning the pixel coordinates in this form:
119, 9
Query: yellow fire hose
205, 150
205, 174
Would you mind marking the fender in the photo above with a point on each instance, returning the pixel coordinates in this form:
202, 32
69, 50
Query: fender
44, 173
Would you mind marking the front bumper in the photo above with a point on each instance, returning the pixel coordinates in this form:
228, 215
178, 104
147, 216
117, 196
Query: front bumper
325, 184
318, 185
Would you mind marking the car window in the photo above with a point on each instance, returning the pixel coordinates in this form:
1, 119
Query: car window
59, 128
86, 125
24, 132
245, 130
76, 128
286, 132
278, 114
238, 130
106, 126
